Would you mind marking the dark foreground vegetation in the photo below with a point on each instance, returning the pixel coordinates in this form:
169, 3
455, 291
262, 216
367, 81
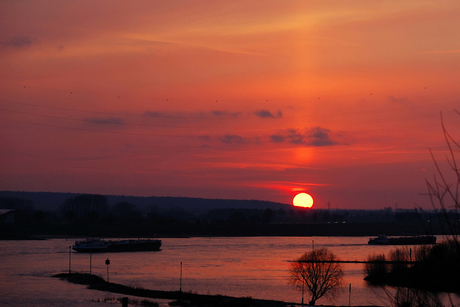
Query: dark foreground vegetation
181, 298
434, 268
431, 268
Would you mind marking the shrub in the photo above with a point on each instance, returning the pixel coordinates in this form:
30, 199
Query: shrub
399, 258
376, 269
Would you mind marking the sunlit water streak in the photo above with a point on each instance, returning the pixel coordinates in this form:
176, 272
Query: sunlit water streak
251, 266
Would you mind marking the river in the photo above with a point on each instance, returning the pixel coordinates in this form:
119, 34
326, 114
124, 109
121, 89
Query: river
256, 267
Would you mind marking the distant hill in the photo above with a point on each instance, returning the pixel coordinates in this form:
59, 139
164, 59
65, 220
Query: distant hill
50, 201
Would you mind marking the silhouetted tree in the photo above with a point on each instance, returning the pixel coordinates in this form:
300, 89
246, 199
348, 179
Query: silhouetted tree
318, 273
70, 216
326, 216
39, 216
268, 216
315, 216
123, 209
16, 203
281, 212
151, 211
444, 189
81, 205
436, 267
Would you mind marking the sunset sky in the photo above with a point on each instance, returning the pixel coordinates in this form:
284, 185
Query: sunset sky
229, 99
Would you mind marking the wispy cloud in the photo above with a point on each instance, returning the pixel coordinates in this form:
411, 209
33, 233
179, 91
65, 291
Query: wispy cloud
232, 139
205, 138
398, 100
276, 138
155, 114
192, 115
268, 114
318, 136
17, 42
105, 121
220, 113
315, 136
295, 136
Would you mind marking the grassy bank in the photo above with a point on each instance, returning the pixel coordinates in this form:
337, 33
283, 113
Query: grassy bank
190, 299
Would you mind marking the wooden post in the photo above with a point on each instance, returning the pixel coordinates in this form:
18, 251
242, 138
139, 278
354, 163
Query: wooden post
69, 258
349, 295
107, 262
180, 279
303, 285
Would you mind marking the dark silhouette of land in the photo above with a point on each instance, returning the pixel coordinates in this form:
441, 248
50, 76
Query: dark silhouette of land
25, 215
50, 201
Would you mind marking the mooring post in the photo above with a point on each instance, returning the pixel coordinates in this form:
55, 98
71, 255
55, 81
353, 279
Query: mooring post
69, 258
180, 278
107, 262
303, 285
349, 295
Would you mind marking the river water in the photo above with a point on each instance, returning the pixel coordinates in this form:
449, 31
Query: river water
256, 267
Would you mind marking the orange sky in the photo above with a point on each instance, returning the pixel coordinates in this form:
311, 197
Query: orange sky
228, 99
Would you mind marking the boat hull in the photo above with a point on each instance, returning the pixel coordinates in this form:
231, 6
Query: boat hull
416, 240
117, 246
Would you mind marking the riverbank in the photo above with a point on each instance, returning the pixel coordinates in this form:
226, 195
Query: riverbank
181, 298
254, 267
184, 229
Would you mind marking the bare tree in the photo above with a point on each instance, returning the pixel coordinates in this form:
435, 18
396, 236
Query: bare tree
317, 272
444, 193
444, 188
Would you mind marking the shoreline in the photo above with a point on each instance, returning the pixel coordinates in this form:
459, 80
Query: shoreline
186, 230
179, 298
95, 282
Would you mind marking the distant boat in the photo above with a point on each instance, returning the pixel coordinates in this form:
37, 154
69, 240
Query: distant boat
413, 240
104, 246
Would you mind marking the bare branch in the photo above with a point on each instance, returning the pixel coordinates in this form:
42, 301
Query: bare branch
318, 272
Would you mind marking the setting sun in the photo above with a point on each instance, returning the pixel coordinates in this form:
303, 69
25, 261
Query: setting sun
303, 200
